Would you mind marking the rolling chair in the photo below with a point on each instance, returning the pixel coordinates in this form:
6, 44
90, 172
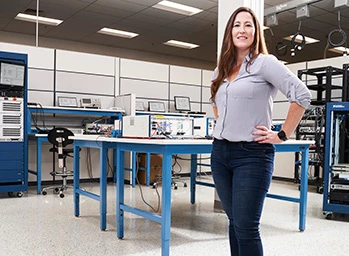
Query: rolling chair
175, 178
59, 138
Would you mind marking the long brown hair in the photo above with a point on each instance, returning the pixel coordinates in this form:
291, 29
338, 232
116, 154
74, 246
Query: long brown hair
228, 57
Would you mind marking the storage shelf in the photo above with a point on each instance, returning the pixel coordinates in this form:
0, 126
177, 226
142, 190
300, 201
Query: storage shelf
324, 87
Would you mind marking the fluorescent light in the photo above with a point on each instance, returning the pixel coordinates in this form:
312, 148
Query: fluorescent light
339, 49
177, 8
181, 44
115, 32
265, 27
308, 40
41, 20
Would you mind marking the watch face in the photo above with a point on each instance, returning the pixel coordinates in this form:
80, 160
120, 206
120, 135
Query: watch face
282, 135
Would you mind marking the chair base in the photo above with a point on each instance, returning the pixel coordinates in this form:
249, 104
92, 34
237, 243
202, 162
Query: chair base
59, 189
174, 182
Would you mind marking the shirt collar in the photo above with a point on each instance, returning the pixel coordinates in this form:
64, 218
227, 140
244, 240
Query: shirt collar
246, 60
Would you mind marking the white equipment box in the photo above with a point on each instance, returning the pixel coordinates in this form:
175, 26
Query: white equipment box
158, 126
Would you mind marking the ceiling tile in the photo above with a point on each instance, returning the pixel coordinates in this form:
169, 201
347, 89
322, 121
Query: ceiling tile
83, 18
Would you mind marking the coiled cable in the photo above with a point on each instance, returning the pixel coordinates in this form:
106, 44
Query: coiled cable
336, 31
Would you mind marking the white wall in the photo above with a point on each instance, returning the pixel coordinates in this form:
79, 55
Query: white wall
54, 73
59, 72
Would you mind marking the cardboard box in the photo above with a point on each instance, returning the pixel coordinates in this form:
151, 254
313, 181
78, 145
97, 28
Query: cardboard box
155, 168
155, 175
155, 160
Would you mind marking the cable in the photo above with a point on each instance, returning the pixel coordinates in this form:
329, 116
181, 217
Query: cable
140, 189
341, 32
326, 48
175, 157
294, 46
281, 48
39, 112
110, 167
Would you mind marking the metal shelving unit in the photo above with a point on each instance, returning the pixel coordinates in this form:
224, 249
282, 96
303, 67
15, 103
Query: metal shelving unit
312, 125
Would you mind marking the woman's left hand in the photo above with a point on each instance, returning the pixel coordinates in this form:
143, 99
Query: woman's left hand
264, 135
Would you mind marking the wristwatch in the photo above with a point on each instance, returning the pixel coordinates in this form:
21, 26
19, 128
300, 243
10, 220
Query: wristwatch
282, 135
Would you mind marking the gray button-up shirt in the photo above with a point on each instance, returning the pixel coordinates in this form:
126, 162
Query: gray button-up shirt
247, 101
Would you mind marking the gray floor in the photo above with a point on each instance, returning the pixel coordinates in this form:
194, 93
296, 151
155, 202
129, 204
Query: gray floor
45, 225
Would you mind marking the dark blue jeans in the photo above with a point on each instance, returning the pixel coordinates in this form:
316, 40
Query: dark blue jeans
242, 173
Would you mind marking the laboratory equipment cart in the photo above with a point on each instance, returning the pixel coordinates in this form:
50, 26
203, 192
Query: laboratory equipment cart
13, 136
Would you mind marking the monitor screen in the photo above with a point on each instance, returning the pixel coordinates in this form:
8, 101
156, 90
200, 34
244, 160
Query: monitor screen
156, 106
139, 105
70, 102
86, 100
182, 103
12, 74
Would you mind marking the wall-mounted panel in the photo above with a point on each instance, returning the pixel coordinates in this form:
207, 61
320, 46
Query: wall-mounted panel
84, 83
38, 57
280, 110
280, 97
184, 75
334, 62
144, 89
284, 165
194, 92
40, 79
195, 106
336, 94
314, 94
296, 66
144, 70
206, 77
206, 94
44, 98
208, 109
85, 63
117, 76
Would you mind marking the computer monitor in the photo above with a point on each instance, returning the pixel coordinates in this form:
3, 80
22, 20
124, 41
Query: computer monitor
182, 103
139, 105
69, 102
12, 74
156, 106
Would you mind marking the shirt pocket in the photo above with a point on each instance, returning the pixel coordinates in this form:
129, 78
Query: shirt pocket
243, 91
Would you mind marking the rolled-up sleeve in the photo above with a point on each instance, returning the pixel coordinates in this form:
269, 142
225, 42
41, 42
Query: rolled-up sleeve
277, 74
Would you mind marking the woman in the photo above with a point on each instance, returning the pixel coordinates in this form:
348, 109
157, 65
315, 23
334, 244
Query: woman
245, 84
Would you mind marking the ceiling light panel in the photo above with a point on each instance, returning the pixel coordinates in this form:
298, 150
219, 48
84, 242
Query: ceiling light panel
41, 20
339, 49
177, 8
115, 32
308, 40
181, 44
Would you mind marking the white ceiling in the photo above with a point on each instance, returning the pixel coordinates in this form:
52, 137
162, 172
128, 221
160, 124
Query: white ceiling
83, 18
